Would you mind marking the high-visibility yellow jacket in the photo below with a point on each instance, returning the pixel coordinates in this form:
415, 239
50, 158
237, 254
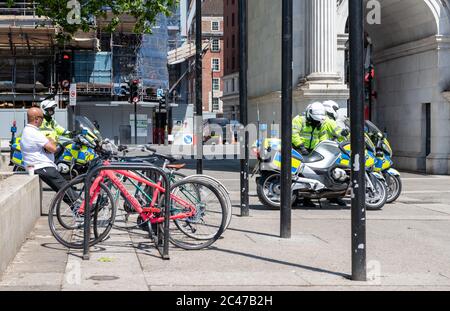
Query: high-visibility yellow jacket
52, 129
305, 134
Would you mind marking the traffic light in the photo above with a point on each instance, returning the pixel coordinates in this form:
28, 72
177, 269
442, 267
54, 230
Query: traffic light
134, 91
64, 70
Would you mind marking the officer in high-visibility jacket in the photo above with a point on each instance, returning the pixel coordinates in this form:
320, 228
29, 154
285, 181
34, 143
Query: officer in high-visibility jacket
332, 108
309, 130
49, 126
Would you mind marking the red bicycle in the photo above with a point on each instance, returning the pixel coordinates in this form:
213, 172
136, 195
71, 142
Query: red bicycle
197, 209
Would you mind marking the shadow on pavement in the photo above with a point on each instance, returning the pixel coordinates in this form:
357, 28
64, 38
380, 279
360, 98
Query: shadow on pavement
253, 232
281, 262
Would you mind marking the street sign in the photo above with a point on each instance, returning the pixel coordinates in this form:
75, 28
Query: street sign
160, 93
73, 94
188, 139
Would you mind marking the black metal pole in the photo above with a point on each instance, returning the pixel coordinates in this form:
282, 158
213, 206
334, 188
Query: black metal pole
198, 85
356, 22
243, 106
135, 123
286, 119
370, 92
158, 131
166, 128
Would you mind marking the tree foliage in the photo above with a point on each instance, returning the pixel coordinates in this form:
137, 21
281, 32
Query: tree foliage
74, 15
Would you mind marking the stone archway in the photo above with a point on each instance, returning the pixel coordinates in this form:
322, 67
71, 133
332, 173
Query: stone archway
412, 60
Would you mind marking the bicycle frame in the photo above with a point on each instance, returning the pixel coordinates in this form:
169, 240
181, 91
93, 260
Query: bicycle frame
147, 213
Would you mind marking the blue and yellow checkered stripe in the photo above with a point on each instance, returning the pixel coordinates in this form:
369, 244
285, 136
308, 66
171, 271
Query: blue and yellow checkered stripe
82, 155
383, 164
17, 158
296, 162
345, 159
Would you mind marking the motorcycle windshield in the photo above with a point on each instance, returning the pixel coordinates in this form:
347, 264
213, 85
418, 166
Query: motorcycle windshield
83, 123
373, 129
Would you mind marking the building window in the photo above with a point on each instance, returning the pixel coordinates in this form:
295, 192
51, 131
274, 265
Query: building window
232, 20
216, 84
215, 26
233, 41
233, 63
215, 104
215, 64
215, 45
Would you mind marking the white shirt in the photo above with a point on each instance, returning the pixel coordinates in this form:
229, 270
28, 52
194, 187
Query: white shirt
32, 146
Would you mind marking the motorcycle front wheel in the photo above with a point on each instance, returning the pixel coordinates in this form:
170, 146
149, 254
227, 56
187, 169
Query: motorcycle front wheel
268, 189
394, 187
376, 198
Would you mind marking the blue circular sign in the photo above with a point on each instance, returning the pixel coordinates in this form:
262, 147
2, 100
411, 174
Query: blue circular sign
188, 139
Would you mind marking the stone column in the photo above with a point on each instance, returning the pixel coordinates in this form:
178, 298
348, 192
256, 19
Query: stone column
322, 40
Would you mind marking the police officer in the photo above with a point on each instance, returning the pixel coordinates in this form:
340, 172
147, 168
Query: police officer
49, 126
332, 108
310, 130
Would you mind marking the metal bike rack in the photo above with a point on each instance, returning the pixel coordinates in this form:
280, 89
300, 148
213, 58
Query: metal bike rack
161, 242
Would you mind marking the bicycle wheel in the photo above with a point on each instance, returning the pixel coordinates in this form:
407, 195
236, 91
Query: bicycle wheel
207, 224
219, 186
176, 177
67, 225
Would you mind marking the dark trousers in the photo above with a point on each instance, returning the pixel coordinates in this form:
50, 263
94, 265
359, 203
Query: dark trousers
56, 181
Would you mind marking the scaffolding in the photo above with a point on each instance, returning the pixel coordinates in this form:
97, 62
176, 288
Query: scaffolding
27, 55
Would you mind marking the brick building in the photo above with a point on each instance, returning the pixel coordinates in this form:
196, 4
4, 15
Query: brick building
213, 65
231, 60
212, 61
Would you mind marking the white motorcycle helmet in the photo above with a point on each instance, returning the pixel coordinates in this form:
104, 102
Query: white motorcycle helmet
332, 109
47, 105
316, 113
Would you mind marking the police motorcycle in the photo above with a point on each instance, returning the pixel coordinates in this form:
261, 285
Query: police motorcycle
73, 155
324, 174
384, 163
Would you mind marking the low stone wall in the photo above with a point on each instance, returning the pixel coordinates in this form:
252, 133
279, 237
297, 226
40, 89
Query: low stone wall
19, 210
4, 162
